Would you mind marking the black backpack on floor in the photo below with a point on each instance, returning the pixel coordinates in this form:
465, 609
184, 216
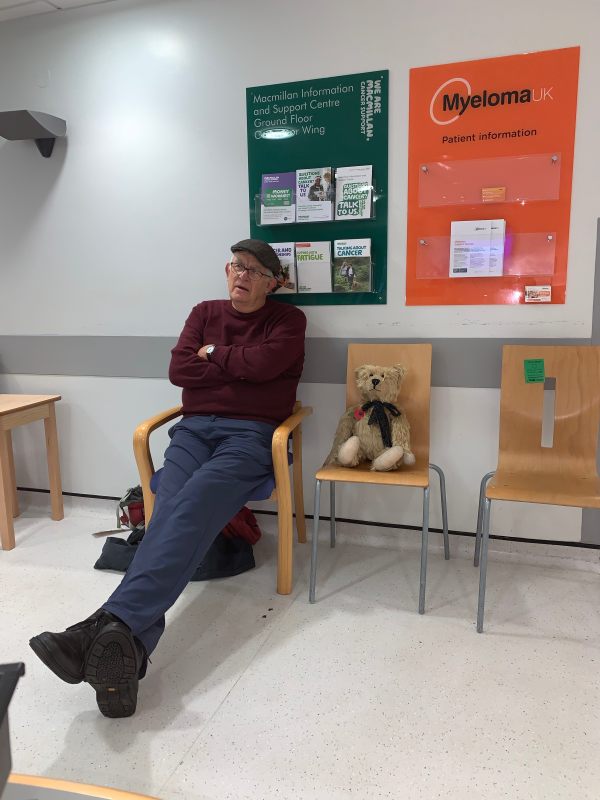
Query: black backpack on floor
225, 557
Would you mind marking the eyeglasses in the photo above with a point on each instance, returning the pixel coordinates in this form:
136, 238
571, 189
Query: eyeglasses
253, 274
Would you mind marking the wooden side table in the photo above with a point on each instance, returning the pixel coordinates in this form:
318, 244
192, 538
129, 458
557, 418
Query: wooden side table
15, 410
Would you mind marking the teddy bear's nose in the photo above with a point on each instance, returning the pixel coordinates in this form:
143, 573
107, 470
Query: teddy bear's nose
375, 381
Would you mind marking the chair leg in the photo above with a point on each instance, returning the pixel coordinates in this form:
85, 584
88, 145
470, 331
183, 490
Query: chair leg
11, 463
483, 568
7, 530
332, 512
424, 536
482, 487
285, 548
56, 498
442, 477
315, 542
300, 524
298, 486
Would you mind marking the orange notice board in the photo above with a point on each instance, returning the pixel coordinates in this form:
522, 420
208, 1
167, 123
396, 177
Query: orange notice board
490, 160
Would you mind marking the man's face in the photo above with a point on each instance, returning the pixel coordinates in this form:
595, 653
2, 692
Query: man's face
248, 292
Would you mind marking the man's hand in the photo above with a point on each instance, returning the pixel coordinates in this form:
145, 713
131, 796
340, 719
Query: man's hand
202, 352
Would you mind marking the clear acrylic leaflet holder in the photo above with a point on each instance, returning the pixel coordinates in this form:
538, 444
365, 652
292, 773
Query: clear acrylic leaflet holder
511, 179
525, 254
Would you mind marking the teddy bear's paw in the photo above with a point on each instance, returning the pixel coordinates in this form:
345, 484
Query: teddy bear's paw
348, 452
409, 458
389, 459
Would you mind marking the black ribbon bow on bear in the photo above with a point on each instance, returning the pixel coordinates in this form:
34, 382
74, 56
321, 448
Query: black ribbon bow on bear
379, 417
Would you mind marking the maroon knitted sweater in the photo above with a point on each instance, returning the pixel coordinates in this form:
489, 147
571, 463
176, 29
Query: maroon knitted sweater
255, 367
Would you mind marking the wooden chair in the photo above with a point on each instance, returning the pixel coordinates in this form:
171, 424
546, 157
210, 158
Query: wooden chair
32, 786
414, 400
282, 493
529, 471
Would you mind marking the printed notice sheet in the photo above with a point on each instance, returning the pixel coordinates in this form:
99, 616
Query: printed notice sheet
477, 248
497, 236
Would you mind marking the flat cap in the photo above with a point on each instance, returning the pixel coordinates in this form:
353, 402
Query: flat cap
262, 251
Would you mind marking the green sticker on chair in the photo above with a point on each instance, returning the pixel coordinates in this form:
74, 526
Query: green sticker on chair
534, 370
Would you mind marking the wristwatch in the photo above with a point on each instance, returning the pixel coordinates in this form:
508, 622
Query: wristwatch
209, 351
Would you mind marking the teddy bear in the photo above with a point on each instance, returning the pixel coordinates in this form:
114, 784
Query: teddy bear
375, 430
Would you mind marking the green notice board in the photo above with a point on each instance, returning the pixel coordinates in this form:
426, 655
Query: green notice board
327, 122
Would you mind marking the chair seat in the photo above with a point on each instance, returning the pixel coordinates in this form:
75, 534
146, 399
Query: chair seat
556, 490
417, 475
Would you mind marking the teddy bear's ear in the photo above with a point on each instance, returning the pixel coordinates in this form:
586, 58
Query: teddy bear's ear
361, 372
400, 370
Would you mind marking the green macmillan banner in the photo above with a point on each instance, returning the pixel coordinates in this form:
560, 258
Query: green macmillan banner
318, 172
342, 106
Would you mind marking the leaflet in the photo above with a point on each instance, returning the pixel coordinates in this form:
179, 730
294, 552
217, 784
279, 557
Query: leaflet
314, 195
351, 265
497, 237
277, 198
477, 248
353, 192
538, 294
287, 258
313, 263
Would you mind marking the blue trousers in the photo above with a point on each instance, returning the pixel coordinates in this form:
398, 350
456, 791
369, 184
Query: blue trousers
212, 466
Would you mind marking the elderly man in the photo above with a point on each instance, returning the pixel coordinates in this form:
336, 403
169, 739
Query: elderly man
238, 362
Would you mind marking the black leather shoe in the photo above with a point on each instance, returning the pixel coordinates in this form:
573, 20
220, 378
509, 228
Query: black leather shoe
64, 653
112, 667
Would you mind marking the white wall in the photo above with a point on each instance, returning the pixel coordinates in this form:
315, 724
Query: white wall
127, 225
152, 185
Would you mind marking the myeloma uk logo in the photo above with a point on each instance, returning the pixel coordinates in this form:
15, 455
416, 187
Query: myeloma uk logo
455, 97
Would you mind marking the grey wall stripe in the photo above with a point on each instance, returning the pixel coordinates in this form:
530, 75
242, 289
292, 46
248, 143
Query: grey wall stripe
472, 363
102, 356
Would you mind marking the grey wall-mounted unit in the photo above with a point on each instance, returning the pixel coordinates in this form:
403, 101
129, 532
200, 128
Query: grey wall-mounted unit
42, 128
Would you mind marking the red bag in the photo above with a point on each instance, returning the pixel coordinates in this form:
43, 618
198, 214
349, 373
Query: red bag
130, 513
243, 526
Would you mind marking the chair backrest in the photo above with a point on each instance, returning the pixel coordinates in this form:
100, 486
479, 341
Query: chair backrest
415, 391
576, 371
